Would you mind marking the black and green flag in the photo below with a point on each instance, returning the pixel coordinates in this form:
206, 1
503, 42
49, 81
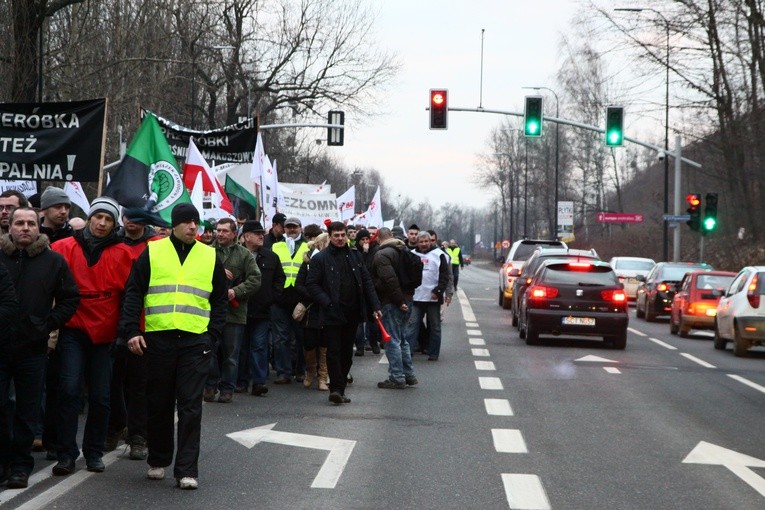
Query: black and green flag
245, 203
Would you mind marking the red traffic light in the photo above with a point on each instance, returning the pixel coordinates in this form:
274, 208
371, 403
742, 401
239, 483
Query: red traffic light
438, 98
439, 108
693, 199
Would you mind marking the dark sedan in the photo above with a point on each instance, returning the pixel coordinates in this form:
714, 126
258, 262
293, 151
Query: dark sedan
656, 290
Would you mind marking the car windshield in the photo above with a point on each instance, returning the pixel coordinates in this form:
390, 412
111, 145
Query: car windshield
524, 250
671, 273
634, 265
711, 282
595, 275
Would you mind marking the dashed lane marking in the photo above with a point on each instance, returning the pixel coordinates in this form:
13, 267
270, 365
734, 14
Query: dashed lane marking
474, 332
612, 370
484, 365
508, 441
490, 383
747, 382
498, 407
471, 324
476, 341
697, 360
480, 352
525, 492
635, 331
663, 344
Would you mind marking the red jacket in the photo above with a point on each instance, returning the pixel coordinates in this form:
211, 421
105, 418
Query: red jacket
101, 288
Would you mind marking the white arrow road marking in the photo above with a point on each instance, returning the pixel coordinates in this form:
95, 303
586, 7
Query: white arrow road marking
339, 449
596, 359
476, 341
480, 352
498, 407
749, 383
508, 441
484, 365
738, 463
490, 383
638, 333
663, 344
525, 491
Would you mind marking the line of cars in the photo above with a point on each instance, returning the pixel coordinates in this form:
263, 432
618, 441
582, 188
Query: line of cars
553, 290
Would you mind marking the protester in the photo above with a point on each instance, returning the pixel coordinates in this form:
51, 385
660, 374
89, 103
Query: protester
340, 284
455, 253
48, 297
182, 327
244, 280
397, 306
100, 263
411, 236
10, 199
55, 206
368, 333
253, 357
429, 296
277, 231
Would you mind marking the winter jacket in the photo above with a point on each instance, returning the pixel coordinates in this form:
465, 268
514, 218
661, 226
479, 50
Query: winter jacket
323, 282
101, 277
311, 319
435, 275
9, 309
271, 285
247, 279
46, 291
385, 273
58, 234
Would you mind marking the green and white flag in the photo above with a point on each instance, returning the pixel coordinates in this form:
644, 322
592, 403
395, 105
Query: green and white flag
149, 175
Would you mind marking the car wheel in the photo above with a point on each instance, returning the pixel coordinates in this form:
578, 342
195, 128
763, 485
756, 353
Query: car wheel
638, 312
672, 326
515, 320
506, 303
501, 299
720, 342
618, 341
532, 337
650, 316
740, 346
683, 329
521, 330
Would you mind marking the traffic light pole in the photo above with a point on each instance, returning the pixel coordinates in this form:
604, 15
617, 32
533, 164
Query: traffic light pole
678, 169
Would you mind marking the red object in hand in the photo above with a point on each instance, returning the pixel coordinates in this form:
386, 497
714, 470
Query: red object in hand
234, 303
385, 335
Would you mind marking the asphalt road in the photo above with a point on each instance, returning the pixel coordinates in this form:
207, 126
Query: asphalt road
667, 423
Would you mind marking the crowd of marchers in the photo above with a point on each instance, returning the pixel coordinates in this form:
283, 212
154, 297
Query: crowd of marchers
95, 313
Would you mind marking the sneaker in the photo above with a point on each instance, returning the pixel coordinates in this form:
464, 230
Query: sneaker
349, 379
138, 450
390, 384
209, 395
225, 398
187, 483
241, 389
259, 389
336, 398
113, 439
411, 380
155, 473
346, 400
282, 380
95, 465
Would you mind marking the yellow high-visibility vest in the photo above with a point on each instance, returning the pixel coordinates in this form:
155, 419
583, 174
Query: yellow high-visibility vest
454, 253
179, 295
290, 265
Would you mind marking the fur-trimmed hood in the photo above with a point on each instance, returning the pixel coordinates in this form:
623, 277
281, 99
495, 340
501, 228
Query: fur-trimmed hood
37, 247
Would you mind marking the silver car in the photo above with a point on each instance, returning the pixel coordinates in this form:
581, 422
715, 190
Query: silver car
627, 270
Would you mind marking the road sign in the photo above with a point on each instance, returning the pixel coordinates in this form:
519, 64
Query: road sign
506, 244
677, 217
339, 449
609, 217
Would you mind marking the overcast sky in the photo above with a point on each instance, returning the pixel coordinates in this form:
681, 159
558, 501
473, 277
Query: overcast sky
438, 43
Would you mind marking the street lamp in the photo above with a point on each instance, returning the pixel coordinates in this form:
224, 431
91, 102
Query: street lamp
665, 239
557, 144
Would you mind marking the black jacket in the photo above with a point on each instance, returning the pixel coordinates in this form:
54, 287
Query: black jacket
46, 291
56, 235
271, 285
138, 284
312, 318
323, 282
9, 308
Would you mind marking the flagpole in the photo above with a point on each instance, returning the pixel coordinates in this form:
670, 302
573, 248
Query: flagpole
103, 150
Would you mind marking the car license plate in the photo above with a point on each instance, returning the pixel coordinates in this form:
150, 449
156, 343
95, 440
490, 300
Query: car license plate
578, 321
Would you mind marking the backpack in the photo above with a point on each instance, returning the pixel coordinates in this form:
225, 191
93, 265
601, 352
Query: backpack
409, 270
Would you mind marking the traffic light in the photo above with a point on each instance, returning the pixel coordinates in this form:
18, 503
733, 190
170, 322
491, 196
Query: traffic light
336, 136
710, 212
438, 108
694, 209
614, 126
532, 116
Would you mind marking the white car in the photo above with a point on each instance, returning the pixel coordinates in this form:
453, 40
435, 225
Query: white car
741, 312
627, 269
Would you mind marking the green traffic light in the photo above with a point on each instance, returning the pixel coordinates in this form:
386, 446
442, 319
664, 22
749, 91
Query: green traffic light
532, 128
710, 224
614, 138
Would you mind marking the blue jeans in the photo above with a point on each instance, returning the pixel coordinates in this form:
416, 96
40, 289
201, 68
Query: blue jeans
283, 327
397, 350
27, 374
82, 361
224, 362
257, 330
432, 310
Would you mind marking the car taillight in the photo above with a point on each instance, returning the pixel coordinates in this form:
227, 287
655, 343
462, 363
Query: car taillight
615, 296
754, 299
508, 269
579, 266
702, 309
528, 281
541, 292
662, 287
